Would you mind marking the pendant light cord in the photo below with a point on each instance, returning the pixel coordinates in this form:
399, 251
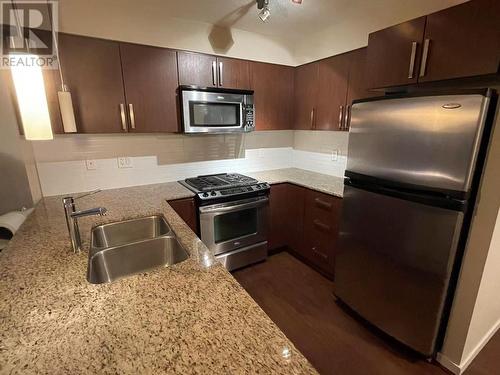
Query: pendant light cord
56, 46
18, 27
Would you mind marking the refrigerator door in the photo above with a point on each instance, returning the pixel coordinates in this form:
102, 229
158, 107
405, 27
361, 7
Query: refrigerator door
429, 141
394, 263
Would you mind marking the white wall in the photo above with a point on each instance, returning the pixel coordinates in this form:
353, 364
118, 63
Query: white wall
18, 179
360, 18
486, 317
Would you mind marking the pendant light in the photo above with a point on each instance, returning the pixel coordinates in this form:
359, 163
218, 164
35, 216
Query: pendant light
64, 95
30, 91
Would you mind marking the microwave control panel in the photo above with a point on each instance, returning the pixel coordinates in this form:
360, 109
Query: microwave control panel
248, 110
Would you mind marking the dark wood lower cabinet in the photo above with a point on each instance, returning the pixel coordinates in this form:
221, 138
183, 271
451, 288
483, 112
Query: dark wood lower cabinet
295, 216
278, 230
306, 222
186, 209
321, 219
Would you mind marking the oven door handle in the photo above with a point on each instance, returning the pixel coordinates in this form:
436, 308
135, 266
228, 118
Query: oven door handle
236, 206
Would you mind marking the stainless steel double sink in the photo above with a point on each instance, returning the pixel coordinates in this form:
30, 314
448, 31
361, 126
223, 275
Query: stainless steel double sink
132, 246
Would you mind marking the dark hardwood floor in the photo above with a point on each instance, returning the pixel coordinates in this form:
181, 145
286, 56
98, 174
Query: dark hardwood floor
300, 301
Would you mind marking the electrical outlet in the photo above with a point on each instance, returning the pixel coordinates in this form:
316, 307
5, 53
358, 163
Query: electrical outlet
335, 155
124, 162
91, 165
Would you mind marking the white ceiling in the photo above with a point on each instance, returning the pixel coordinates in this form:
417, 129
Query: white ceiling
289, 20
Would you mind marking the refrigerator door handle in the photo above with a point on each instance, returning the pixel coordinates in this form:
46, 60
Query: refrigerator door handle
435, 200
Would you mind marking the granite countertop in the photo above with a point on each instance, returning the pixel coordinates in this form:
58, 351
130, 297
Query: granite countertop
190, 318
312, 180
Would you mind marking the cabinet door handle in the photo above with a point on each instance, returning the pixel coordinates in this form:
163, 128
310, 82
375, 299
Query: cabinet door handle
214, 72
315, 250
132, 115
220, 73
341, 116
323, 204
322, 226
123, 116
412, 59
312, 118
425, 54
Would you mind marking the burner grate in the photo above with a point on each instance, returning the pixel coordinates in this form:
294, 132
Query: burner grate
219, 181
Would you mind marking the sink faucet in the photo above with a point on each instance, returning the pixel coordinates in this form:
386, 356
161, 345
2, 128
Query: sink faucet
72, 218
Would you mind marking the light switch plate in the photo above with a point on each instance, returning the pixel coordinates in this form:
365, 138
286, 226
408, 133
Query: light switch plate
335, 155
124, 162
91, 165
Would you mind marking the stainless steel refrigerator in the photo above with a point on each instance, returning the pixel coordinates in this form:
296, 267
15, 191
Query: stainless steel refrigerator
413, 167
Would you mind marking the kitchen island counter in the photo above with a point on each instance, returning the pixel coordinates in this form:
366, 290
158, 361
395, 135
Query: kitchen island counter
190, 318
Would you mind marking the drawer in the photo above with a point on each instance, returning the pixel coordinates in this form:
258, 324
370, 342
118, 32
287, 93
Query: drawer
323, 206
320, 238
320, 251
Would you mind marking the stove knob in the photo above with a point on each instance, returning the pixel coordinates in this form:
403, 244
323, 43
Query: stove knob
205, 195
213, 193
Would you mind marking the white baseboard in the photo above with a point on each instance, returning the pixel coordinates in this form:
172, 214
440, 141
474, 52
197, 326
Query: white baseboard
448, 364
459, 369
469, 358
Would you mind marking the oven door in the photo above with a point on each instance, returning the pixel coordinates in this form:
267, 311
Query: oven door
210, 112
233, 225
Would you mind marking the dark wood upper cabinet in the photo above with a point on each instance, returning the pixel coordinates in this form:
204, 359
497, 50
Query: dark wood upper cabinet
92, 71
332, 93
150, 79
233, 73
273, 95
358, 86
394, 54
305, 95
210, 71
463, 41
197, 69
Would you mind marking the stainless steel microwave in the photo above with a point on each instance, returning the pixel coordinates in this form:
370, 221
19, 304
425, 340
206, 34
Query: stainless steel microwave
215, 110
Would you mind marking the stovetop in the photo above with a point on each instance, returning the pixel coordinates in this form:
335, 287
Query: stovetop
225, 186
219, 181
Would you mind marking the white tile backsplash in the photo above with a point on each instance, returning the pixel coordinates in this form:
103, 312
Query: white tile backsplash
64, 177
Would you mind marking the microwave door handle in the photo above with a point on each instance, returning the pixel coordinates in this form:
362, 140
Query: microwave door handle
234, 207
214, 72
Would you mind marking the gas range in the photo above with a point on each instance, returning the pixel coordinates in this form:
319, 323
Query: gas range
225, 187
232, 212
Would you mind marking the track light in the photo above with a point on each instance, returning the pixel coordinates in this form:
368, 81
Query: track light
264, 14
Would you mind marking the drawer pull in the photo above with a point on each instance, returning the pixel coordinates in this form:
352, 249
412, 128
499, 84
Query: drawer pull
323, 204
322, 226
315, 251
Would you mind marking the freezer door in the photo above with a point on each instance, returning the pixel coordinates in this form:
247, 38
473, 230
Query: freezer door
394, 262
429, 141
